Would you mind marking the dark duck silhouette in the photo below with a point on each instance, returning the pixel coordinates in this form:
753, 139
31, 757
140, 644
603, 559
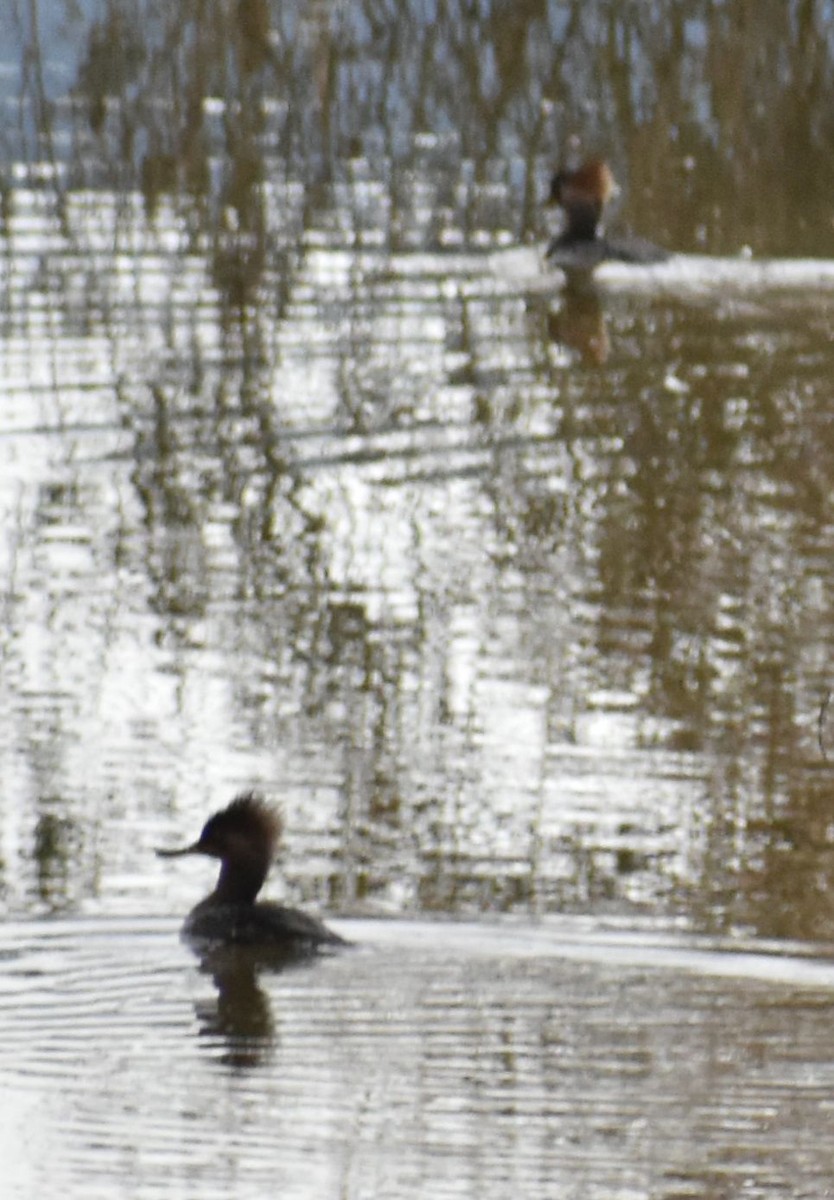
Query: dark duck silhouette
244, 837
582, 194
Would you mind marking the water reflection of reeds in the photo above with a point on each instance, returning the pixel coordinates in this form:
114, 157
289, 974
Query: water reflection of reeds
531, 634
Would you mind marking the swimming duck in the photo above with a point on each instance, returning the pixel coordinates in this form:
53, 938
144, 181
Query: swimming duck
244, 836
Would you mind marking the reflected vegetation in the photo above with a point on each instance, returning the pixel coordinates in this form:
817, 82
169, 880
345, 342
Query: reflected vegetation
517, 598
519, 603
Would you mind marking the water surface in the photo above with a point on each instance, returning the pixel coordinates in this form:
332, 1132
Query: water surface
466, 1061
313, 479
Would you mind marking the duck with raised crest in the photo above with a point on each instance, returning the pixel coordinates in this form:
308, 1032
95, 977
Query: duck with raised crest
244, 836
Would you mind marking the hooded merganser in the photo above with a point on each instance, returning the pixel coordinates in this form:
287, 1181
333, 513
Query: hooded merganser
244, 837
583, 195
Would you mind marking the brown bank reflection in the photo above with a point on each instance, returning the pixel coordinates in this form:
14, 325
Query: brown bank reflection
207, 106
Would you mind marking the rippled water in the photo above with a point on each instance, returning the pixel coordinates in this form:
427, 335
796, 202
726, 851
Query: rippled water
457, 1061
315, 479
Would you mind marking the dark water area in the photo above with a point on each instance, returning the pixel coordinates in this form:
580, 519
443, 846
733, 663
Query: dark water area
314, 480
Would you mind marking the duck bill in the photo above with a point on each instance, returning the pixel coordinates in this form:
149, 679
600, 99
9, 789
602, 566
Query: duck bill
193, 849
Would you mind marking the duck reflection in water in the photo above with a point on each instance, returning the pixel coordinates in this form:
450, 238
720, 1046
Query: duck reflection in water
579, 323
239, 1018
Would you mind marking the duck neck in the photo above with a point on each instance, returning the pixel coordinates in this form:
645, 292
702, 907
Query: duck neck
584, 221
240, 880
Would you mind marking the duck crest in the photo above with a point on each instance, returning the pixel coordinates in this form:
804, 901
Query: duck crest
248, 815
